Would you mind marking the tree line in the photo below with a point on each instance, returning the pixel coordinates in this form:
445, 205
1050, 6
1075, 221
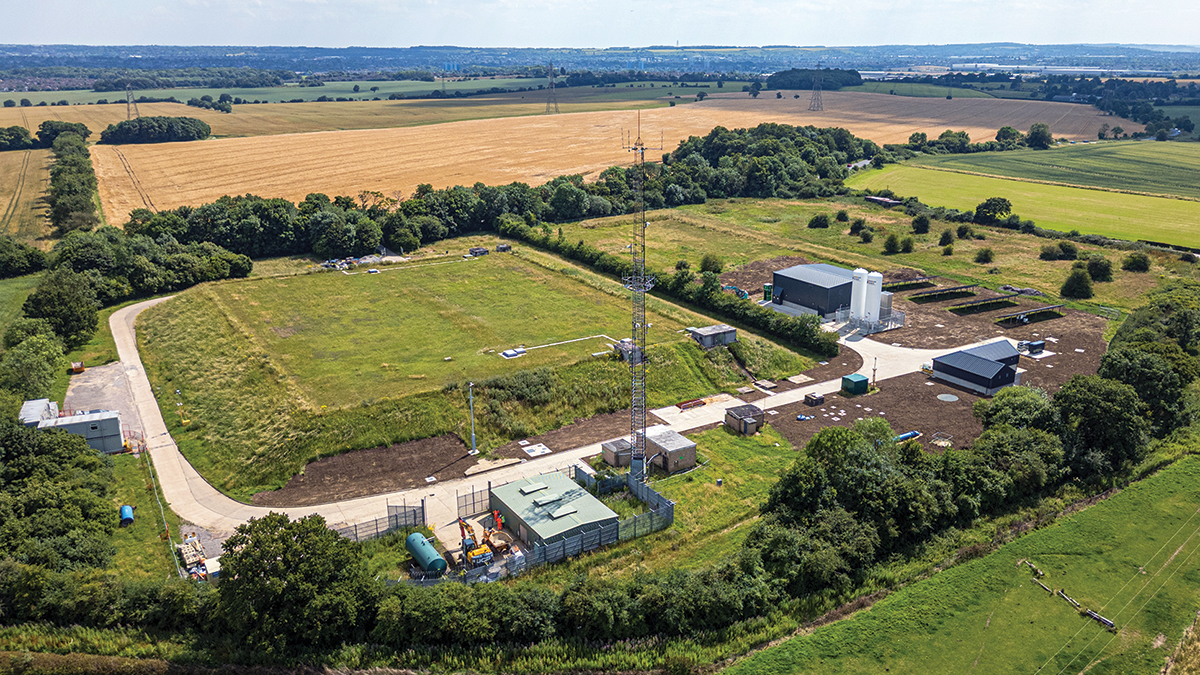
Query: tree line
72, 179
155, 130
803, 78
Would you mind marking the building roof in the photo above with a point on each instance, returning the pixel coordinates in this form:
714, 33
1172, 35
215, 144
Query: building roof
819, 274
551, 504
618, 445
715, 329
93, 416
855, 377
745, 412
972, 364
38, 410
994, 351
667, 438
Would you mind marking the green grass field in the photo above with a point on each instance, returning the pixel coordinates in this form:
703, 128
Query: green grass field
12, 296
914, 89
1135, 166
344, 338
710, 521
743, 230
142, 551
1132, 558
1118, 215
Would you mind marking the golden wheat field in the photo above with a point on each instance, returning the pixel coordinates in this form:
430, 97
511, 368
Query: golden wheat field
532, 149
24, 179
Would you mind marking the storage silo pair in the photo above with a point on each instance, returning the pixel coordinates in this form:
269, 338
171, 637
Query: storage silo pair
866, 291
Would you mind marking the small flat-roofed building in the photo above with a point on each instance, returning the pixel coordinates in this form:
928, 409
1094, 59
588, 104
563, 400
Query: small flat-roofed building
818, 288
617, 452
745, 419
101, 428
671, 450
478, 251
36, 411
713, 336
548, 508
973, 369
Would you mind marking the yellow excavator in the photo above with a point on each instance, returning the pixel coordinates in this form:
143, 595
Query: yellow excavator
475, 552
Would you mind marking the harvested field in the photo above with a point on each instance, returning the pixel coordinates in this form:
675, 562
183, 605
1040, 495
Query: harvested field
528, 149
24, 179
373, 471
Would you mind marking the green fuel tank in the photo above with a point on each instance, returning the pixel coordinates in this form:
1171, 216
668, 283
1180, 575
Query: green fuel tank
427, 556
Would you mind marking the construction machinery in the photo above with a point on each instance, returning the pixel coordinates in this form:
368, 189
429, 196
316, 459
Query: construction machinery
475, 551
736, 291
502, 543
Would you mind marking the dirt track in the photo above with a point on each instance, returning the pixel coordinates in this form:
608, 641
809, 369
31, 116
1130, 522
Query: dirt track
529, 149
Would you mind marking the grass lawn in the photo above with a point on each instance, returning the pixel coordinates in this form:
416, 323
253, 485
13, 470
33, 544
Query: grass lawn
12, 296
1121, 216
142, 550
1131, 558
914, 89
710, 521
343, 339
1136, 166
741, 230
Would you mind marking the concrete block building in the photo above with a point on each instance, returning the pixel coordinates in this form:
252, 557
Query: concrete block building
713, 336
670, 450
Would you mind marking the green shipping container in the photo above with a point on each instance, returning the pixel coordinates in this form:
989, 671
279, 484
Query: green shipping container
855, 384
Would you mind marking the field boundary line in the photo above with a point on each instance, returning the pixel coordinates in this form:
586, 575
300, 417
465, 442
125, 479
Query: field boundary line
134, 180
11, 210
1055, 183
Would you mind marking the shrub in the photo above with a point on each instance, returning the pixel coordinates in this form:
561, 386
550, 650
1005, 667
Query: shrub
947, 238
984, 256
842, 216
1136, 262
1049, 252
682, 265
857, 226
866, 236
920, 224
1078, 285
821, 220
1099, 268
948, 249
711, 263
906, 245
892, 245
964, 231
1067, 250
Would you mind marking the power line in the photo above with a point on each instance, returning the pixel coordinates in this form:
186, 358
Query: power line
814, 104
551, 96
131, 111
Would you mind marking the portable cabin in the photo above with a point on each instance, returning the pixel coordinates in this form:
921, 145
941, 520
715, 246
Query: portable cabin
36, 411
478, 251
101, 428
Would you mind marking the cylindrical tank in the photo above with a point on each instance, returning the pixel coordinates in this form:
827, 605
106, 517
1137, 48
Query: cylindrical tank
906, 436
874, 294
126, 515
858, 293
424, 552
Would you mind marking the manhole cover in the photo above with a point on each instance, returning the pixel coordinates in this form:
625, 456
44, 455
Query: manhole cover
948, 398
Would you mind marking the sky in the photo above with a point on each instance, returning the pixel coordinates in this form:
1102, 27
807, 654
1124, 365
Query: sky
594, 23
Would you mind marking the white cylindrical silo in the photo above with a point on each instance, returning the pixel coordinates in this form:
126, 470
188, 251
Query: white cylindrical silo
874, 294
858, 293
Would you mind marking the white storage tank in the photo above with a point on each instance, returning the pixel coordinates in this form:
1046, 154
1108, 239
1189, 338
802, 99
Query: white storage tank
874, 296
858, 293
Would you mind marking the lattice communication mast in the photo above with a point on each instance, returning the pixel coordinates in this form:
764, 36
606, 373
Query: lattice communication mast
551, 97
814, 104
639, 283
131, 111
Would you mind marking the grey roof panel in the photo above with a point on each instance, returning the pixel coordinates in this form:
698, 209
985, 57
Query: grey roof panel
819, 274
743, 412
971, 364
994, 351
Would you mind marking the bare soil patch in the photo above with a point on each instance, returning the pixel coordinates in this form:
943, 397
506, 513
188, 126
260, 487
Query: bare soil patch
579, 433
373, 471
751, 276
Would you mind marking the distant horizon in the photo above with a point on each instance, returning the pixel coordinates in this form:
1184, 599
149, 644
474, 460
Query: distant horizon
547, 24
681, 46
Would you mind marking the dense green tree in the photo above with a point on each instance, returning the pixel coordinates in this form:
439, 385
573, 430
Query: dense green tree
1099, 268
1105, 427
1039, 136
67, 301
31, 366
891, 245
992, 210
946, 239
18, 258
1155, 381
711, 263
289, 585
821, 220
842, 216
1007, 133
1020, 408
1033, 459
15, 138
50, 130
1078, 285
920, 224
1136, 262
985, 256
156, 129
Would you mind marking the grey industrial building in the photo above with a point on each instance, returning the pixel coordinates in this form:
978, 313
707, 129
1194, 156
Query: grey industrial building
819, 288
548, 508
985, 369
745, 419
713, 336
101, 428
670, 450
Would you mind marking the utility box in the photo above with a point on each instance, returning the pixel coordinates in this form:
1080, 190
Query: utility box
617, 452
768, 289
669, 449
855, 384
814, 400
745, 419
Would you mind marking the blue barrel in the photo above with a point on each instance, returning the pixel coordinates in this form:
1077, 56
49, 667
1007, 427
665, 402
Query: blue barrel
126, 515
424, 552
906, 436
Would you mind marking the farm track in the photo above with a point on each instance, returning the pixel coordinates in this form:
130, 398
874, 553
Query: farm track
11, 210
134, 180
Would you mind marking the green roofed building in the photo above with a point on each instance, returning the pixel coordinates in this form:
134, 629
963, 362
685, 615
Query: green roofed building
547, 508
